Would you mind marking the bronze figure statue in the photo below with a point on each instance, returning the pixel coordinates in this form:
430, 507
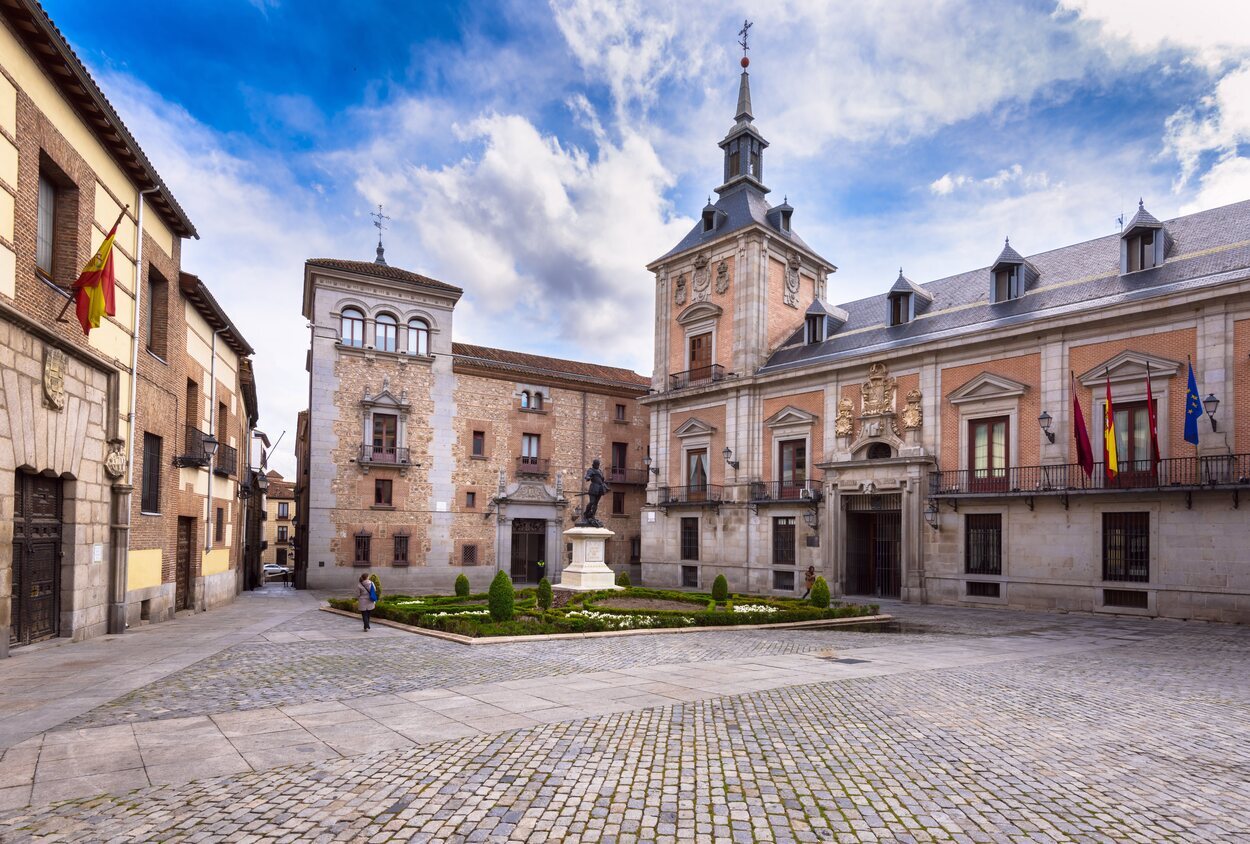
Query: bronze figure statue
598, 486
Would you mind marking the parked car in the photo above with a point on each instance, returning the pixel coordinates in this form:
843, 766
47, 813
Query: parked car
275, 570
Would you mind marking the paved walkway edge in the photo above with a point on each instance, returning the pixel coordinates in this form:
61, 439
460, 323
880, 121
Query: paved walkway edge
601, 634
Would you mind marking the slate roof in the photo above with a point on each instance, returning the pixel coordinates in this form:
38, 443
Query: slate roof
1143, 219
539, 366
743, 206
382, 271
903, 284
1072, 279
1008, 255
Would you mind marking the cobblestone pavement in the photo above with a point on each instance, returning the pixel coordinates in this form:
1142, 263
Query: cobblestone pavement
1139, 741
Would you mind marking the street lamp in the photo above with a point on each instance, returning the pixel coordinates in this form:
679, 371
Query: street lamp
931, 516
1211, 404
646, 461
1044, 420
729, 454
209, 444
262, 482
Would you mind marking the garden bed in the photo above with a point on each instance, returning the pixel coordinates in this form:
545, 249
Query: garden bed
468, 617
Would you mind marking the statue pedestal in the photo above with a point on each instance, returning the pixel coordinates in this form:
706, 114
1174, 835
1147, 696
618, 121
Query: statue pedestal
587, 571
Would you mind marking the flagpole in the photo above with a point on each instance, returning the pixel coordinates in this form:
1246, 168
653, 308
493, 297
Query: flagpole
61, 316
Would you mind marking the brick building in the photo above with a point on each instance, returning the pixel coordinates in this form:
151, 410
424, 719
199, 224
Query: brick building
918, 443
425, 458
279, 521
79, 556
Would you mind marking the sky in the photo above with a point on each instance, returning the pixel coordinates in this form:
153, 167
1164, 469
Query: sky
539, 155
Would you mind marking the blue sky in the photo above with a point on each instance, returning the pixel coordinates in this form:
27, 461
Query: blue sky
540, 154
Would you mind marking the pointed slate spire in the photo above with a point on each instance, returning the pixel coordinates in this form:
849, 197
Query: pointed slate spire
1143, 219
381, 259
1008, 255
744, 99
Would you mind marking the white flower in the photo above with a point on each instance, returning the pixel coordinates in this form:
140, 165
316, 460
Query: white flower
465, 614
754, 608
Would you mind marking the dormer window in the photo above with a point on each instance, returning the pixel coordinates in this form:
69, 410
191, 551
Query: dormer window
815, 329
709, 218
1140, 249
1145, 242
900, 309
1007, 283
1010, 275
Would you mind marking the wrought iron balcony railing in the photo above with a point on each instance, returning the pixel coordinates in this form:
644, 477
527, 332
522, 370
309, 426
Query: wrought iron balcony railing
671, 496
621, 475
537, 466
696, 376
396, 455
192, 453
765, 492
227, 460
1230, 470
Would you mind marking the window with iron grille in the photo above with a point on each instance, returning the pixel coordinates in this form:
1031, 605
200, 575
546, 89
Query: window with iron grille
363, 542
983, 543
401, 550
1126, 547
284, 510
783, 581
690, 577
468, 555
150, 499
690, 538
783, 543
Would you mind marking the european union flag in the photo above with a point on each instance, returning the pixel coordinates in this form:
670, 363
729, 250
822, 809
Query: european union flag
1193, 408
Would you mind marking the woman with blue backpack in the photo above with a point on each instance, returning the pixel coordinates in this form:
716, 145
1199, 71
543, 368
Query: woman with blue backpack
366, 598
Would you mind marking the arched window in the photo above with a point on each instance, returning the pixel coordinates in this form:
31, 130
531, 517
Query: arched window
525, 398
386, 333
879, 451
418, 337
352, 328
537, 402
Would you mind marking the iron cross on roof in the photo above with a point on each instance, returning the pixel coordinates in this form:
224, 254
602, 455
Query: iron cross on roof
745, 33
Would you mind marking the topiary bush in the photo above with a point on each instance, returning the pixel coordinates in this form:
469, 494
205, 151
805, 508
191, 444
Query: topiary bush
502, 597
377, 584
462, 586
622, 579
544, 594
720, 589
820, 593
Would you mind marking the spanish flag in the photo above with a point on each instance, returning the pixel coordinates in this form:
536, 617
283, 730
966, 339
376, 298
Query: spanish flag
1111, 463
94, 288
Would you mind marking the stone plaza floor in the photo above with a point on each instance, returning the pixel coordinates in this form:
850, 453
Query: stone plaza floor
270, 720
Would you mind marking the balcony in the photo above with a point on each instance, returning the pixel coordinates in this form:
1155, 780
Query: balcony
192, 448
784, 492
621, 475
1184, 474
384, 455
695, 377
226, 463
533, 466
698, 495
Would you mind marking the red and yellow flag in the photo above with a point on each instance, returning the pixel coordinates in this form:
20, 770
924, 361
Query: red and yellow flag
94, 288
1111, 463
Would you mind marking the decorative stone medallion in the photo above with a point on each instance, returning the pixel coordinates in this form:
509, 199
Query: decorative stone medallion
913, 415
701, 287
878, 392
722, 277
115, 460
54, 377
844, 425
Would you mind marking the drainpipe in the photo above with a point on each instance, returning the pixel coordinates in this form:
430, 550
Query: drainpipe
209, 524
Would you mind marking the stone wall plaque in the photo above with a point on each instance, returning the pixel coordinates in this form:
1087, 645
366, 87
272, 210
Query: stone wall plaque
54, 377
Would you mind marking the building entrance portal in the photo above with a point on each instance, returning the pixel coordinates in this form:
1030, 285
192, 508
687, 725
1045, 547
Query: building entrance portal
873, 546
529, 548
36, 605
182, 572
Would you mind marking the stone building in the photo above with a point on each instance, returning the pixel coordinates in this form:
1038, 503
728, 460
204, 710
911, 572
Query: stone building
919, 443
69, 451
279, 521
424, 458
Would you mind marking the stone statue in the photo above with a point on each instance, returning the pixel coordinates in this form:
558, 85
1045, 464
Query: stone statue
598, 487
791, 293
722, 277
844, 425
679, 291
913, 415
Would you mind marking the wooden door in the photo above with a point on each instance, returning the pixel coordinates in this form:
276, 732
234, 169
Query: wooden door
700, 355
182, 574
36, 595
529, 547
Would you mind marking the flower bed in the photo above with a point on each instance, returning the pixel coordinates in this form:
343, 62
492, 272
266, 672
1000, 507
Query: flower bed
588, 612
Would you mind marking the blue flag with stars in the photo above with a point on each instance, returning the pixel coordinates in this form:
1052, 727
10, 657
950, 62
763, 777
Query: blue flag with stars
1193, 408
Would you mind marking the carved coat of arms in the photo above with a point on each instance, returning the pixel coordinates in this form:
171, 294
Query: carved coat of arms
844, 425
913, 415
701, 287
722, 277
791, 295
115, 460
878, 392
54, 377
679, 290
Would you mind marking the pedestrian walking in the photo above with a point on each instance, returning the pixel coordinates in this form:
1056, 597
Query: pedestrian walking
366, 598
809, 580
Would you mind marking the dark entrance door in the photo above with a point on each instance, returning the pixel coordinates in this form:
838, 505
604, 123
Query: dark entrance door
529, 546
36, 559
182, 572
873, 546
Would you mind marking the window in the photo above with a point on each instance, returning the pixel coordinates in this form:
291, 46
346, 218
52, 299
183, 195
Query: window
618, 503
219, 529
470, 500
793, 467
386, 332
399, 556
363, 549
537, 401
1132, 437
157, 329
983, 543
382, 492
1126, 546
223, 426
282, 533
352, 328
700, 355
696, 469
635, 548
525, 399
620, 451
385, 436
690, 538
1007, 283
900, 309
284, 510
620, 413
193, 404
987, 450
815, 328
755, 164
690, 577
150, 497
479, 443
468, 555
734, 160
879, 451
783, 543
529, 448
783, 581
1141, 251
418, 337
45, 225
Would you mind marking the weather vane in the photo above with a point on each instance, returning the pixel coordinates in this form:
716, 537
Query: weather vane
379, 225
745, 32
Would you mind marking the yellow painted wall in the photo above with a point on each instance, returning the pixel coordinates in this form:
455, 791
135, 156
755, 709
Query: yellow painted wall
160, 234
143, 569
8, 107
8, 273
6, 215
215, 562
8, 161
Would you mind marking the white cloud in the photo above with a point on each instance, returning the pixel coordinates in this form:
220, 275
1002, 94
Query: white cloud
1219, 123
1013, 177
1210, 31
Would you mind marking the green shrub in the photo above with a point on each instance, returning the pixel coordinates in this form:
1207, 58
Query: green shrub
377, 584
622, 579
820, 593
544, 594
462, 586
502, 597
720, 589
